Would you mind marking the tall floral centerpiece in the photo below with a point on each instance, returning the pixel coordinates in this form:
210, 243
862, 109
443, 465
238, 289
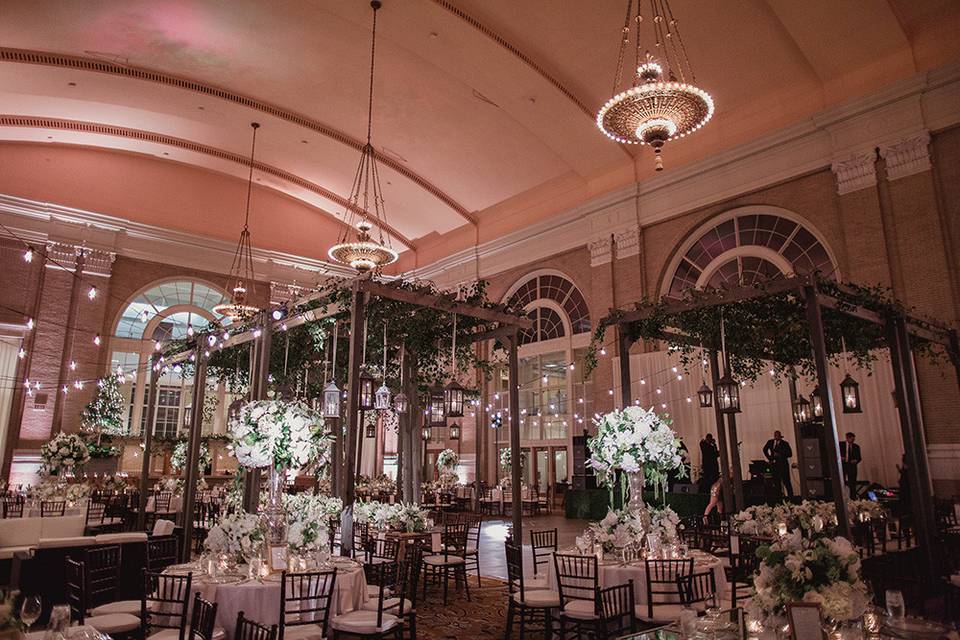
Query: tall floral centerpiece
277, 435
641, 444
178, 459
446, 462
63, 454
506, 460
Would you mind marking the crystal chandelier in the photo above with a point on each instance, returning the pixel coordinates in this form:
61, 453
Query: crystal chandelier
662, 102
365, 253
241, 271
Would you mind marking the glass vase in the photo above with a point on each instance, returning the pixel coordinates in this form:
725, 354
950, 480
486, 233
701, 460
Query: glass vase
635, 482
275, 520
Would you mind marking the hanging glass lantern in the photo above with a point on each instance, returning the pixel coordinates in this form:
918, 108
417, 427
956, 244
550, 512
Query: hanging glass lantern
435, 408
816, 403
453, 400
455, 431
705, 394
728, 395
850, 392
381, 399
801, 410
425, 434
331, 400
366, 391
400, 403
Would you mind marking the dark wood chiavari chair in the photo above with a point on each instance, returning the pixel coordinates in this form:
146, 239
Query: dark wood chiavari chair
116, 624
162, 552
247, 629
164, 605
382, 550
543, 544
203, 619
533, 607
577, 584
615, 605
305, 600
697, 590
449, 561
12, 508
744, 565
161, 502
662, 592
373, 622
96, 511
52, 508
102, 564
472, 554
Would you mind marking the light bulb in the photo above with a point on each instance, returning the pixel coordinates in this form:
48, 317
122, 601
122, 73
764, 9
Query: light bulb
144, 316
157, 346
659, 391
28, 255
603, 351
256, 333
29, 323
92, 293
96, 339
64, 389
73, 365
22, 353
190, 330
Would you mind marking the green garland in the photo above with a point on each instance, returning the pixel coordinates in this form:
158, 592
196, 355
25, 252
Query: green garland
768, 329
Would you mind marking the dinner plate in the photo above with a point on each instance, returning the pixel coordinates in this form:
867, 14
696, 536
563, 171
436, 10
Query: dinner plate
225, 579
913, 628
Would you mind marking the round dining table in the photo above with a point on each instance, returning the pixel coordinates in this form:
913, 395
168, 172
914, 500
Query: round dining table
612, 572
259, 599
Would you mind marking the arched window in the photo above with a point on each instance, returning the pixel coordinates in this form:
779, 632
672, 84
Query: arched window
162, 300
555, 287
747, 246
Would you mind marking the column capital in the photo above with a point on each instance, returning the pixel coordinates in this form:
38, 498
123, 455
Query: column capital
601, 251
855, 172
907, 156
628, 242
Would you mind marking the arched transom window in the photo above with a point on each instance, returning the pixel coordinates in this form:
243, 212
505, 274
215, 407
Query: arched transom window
750, 245
547, 322
157, 300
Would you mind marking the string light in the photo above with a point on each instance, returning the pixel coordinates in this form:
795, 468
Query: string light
190, 331
96, 339
22, 353
64, 389
157, 346
603, 351
256, 333
92, 293
28, 255
30, 323
73, 365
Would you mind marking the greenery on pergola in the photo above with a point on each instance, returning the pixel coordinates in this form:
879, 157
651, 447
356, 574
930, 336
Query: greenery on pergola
770, 327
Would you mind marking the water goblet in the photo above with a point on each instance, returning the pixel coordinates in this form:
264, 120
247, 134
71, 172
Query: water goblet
30, 610
895, 606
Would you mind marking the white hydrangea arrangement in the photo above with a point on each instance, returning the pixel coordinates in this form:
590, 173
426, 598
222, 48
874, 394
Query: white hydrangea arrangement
178, 459
77, 492
64, 452
810, 516
332, 507
285, 435
820, 570
620, 529
665, 524
634, 440
307, 521
403, 516
506, 458
865, 510
448, 459
238, 534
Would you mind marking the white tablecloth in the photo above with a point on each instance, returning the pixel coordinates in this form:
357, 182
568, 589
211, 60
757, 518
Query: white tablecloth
260, 600
613, 573
176, 504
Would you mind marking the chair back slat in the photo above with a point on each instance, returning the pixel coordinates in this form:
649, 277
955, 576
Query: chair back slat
165, 602
305, 598
52, 508
102, 565
543, 544
95, 512
615, 605
697, 588
250, 630
203, 618
162, 552
76, 589
576, 577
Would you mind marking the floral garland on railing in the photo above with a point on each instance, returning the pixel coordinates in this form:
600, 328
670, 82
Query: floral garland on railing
63, 453
286, 435
178, 459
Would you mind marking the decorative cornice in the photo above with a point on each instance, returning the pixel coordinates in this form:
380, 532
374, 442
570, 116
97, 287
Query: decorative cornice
52, 59
628, 243
8, 120
907, 157
601, 251
855, 172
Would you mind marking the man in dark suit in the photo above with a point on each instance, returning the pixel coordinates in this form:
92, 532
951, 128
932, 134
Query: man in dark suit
709, 463
850, 460
778, 453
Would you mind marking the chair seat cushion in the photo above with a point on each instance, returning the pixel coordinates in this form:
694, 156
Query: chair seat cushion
174, 634
390, 605
303, 632
534, 584
579, 609
364, 622
373, 591
112, 623
441, 561
540, 599
121, 606
662, 612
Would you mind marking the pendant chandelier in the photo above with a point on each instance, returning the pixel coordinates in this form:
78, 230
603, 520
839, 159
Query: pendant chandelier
241, 282
365, 253
662, 102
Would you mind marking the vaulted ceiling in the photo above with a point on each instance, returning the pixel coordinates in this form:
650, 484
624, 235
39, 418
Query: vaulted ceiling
484, 109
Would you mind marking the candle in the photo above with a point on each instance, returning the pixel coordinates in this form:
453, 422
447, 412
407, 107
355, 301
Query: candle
782, 529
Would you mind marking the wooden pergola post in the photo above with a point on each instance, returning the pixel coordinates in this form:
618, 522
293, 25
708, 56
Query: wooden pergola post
915, 449
832, 446
260, 357
193, 453
515, 461
623, 338
148, 440
725, 471
357, 315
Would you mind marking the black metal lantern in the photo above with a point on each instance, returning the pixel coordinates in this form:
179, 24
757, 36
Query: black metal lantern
331, 400
371, 430
453, 400
425, 434
728, 395
850, 392
705, 394
366, 391
455, 431
801, 410
816, 403
435, 408
400, 403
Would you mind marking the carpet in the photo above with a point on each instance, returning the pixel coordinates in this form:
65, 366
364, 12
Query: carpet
485, 616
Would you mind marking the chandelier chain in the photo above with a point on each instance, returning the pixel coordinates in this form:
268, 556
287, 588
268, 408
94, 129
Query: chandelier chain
683, 58
253, 149
624, 41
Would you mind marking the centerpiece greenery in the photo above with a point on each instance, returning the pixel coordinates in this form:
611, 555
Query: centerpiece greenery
63, 454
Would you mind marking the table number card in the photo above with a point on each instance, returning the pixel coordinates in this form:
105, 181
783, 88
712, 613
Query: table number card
278, 558
735, 545
806, 621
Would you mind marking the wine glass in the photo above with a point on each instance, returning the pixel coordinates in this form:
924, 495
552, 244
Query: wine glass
30, 610
895, 606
